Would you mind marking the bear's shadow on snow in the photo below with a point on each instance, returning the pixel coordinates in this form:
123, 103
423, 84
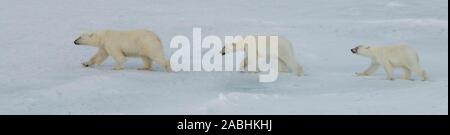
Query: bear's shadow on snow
248, 83
129, 65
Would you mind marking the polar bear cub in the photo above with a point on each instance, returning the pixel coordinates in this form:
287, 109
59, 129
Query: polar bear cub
121, 44
390, 57
286, 56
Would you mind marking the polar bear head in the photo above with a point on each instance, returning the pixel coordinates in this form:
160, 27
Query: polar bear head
92, 39
231, 48
238, 44
362, 50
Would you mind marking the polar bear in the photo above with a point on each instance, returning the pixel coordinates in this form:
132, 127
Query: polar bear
121, 44
395, 56
286, 57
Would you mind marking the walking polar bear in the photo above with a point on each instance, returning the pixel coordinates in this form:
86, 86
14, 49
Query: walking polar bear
121, 44
396, 56
286, 57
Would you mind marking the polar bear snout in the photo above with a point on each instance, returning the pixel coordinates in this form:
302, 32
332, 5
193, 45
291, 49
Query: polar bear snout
354, 50
223, 51
76, 41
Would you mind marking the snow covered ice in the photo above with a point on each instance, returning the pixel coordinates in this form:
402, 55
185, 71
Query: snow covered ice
41, 72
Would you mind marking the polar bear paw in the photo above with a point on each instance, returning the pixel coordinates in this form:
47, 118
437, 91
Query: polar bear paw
118, 68
86, 64
361, 74
145, 68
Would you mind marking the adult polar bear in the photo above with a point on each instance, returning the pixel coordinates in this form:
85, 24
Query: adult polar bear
121, 44
395, 56
286, 57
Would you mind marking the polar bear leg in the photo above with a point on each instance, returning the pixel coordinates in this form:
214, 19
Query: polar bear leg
147, 63
97, 59
159, 58
282, 66
419, 71
292, 63
118, 57
369, 71
407, 73
164, 63
101, 57
296, 68
253, 63
243, 65
389, 70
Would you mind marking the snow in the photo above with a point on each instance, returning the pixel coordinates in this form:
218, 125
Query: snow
40, 70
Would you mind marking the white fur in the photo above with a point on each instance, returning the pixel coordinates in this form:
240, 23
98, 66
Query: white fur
390, 57
286, 57
121, 44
